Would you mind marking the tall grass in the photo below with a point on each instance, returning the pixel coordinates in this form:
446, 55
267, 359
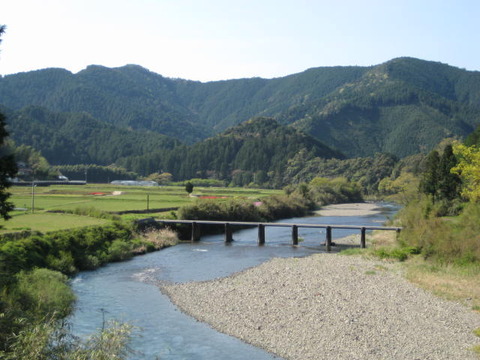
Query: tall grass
446, 240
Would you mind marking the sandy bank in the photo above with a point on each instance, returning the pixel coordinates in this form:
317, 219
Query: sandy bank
354, 209
330, 306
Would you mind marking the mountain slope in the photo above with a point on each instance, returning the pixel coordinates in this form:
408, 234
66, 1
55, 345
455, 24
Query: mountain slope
403, 106
259, 147
78, 138
390, 109
128, 97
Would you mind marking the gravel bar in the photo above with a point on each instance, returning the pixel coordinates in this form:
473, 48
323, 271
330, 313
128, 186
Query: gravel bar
331, 306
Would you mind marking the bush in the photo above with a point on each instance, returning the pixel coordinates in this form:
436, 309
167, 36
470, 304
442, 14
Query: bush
120, 250
325, 191
284, 206
400, 254
269, 208
43, 293
159, 239
442, 239
63, 263
51, 339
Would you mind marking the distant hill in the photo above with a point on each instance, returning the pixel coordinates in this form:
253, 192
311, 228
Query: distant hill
260, 147
401, 107
77, 138
129, 97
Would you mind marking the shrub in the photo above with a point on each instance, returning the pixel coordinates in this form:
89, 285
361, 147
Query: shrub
401, 254
159, 239
271, 208
63, 263
43, 292
334, 191
51, 339
119, 251
439, 238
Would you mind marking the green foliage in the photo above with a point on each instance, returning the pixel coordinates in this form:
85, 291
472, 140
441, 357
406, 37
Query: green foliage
160, 178
438, 180
188, 187
366, 172
400, 254
325, 191
43, 293
440, 239
119, 250
269, 208
95, 173
93, 212
34, 161
67, 251
468, 169
29, 298
51, 339
203, 182
8, 170
255, 152
389, 110
77, 138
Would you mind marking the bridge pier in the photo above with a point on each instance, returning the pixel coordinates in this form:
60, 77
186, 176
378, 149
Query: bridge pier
261, 234
362, 238
295, 234
328, 240
195, 232
228, 233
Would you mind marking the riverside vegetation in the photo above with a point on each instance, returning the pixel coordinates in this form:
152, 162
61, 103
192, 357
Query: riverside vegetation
447, 245
35, 297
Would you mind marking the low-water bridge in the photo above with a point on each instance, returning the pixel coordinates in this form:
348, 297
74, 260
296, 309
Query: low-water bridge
228, 225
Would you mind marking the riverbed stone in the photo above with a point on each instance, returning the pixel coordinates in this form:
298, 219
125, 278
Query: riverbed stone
330, 306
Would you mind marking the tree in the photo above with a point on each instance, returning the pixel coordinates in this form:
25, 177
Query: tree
8, 167
430, 179
188, 187
449, 186
468, 169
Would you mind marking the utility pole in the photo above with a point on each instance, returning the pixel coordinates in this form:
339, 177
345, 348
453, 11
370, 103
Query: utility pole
33, 192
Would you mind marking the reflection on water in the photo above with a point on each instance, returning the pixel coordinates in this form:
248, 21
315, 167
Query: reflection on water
126, 291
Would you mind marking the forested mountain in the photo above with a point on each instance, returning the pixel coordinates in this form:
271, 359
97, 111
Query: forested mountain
128, 97
77, 138
401, 107
257, 150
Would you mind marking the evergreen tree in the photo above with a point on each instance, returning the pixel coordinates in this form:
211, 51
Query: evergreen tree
449, 183
430, 181
188, 187
8, 167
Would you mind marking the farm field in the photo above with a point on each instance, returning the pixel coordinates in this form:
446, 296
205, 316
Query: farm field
103, 197
45, 222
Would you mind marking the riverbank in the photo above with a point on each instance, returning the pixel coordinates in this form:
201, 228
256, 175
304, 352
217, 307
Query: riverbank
354, 209
331, 306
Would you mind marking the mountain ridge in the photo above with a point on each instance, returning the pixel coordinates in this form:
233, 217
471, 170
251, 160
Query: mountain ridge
402, 106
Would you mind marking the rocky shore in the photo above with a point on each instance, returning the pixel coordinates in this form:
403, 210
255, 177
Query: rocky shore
331, 306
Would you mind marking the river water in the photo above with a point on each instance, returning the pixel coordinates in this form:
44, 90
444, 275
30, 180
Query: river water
127, 291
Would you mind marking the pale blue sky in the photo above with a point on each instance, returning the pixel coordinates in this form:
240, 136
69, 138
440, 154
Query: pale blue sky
220, 39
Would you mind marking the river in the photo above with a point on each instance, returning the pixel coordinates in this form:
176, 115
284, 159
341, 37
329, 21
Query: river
127, 291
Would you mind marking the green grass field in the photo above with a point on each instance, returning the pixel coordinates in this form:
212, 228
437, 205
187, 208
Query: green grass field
104, 197
45, 222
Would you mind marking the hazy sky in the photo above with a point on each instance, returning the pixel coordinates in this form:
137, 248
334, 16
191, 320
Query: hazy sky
222, 39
